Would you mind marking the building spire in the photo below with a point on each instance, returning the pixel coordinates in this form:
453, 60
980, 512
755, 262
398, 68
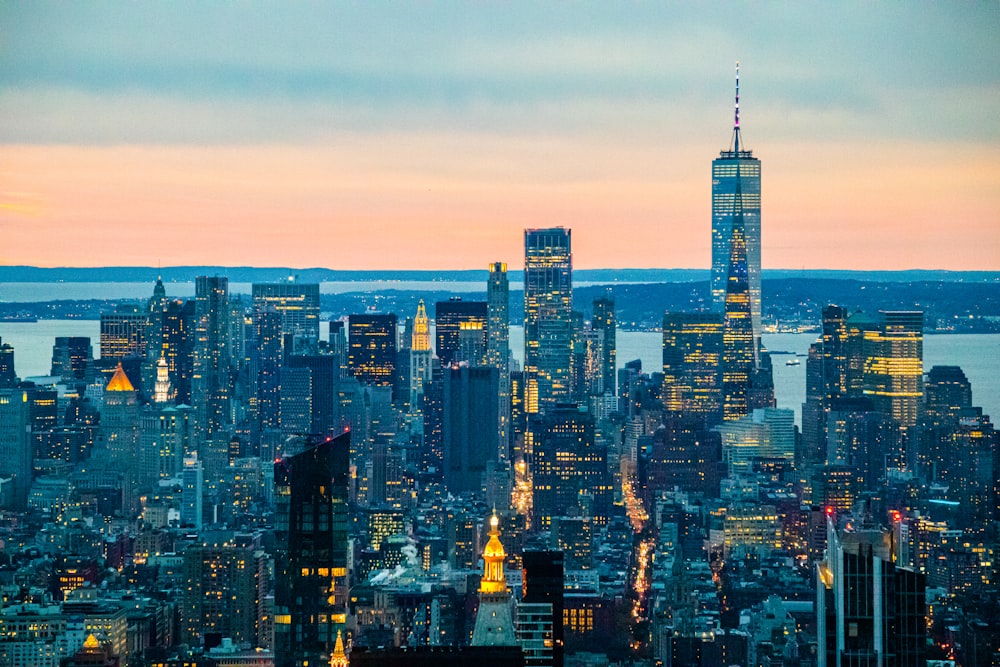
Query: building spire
736, 117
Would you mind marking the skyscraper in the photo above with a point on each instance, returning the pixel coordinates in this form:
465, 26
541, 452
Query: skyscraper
692, 355
372, 348
604, 320
451, 319
738, 339
498, 345
736, 191
869, 612
298, 304
893, 366
420, 357
311, 567
548, 317
211, 383
468, 426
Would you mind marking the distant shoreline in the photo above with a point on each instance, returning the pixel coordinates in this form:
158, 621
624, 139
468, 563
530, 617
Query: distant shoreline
174, 274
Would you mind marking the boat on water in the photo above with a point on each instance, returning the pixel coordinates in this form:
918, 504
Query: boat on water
792, 362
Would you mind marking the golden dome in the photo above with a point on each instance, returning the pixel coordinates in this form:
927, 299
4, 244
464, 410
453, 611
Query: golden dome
119, 381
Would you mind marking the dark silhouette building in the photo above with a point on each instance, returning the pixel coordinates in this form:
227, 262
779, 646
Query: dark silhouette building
450, 318
310, 599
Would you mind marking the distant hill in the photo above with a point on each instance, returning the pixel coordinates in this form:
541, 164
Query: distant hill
248, 274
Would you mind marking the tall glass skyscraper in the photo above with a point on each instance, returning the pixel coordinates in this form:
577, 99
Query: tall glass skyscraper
548, 317
736, 190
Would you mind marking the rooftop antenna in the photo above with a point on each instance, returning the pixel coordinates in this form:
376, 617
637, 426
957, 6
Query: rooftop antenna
736, 124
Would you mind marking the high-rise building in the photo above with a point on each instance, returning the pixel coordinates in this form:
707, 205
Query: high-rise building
893, 364
420, 357
736, 191
72, 359
266, 358
868, 610
225, 590
123, 334
177, 339
738, 336
8, 377
297, 303
498, 347
542, 582
569, 470
311, 535
494, 619
692, 358
372, 348
451, 319
211, 382
468, 426
548, 318
604, 320
15, 447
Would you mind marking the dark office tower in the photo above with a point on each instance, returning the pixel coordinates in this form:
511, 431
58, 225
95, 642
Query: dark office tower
604, 320
738, 340
372, 348
498, 346
814, 410
736, 191
468, 426
325, 387
211, 381
295, 401
310, 593
542, 583
893, 370
868, 610
449, 318
518, 418
177, 347
297, 303
685, 455
548, 317
836, 380
8, 378
970, 469
123, 334
946, 392
15, 448
692, 355
567, 465
265, 365
72, 359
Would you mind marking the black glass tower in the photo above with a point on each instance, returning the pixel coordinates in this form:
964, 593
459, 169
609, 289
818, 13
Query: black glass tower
311, 565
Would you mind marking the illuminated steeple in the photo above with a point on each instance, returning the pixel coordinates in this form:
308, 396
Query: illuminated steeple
493, 557
338, 658
161, 391
421, 330
494, 620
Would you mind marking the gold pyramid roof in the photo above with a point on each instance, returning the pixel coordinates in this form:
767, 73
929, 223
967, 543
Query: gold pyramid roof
119, 381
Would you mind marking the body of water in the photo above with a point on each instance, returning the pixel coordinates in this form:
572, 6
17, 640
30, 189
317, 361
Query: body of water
977, 354
35, 292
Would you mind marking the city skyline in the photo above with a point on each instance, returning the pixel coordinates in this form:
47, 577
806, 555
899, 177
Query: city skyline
357, 138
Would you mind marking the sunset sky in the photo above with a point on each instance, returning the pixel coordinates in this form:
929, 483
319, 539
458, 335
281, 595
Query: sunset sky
430, 134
